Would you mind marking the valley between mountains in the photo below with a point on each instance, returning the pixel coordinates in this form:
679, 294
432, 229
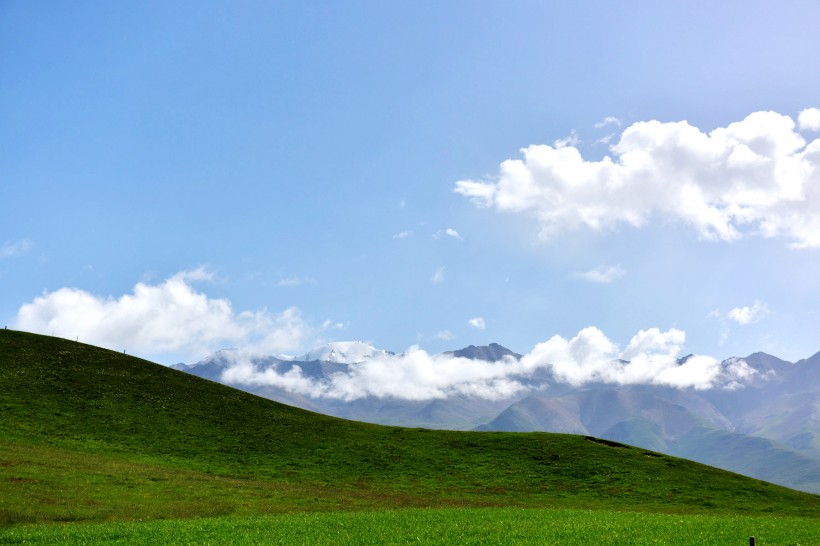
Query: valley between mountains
766, 426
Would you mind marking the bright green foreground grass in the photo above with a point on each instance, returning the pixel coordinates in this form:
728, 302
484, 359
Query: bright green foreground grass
439, 526
93, 435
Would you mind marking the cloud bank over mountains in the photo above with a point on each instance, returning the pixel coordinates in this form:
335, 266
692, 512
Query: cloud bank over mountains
758, 176
652, 357
173, 317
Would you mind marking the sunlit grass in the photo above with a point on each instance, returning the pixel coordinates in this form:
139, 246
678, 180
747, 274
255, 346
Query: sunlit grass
439, 526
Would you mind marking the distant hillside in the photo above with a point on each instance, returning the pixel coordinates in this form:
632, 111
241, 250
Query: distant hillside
768, 428
681, 423
79, 421
778, 403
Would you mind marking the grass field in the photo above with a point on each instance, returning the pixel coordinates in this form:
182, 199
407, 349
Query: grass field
439, 526
93, 436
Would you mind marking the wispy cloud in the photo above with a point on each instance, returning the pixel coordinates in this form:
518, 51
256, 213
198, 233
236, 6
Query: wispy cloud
9, 250
605, 139
332, 325
168, 318
294, 280
478, 323
403, 234
603, 274
757, 176
570, 140
438, 276
609, 120
445, 335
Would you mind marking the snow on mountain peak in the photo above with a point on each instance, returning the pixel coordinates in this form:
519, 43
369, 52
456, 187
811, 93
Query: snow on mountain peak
343, 352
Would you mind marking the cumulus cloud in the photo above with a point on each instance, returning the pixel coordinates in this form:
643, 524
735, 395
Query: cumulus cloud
571, 140
477, 323
651, 357
748, 314
603, 274
757, 176
9, 250
809, 119
168, 318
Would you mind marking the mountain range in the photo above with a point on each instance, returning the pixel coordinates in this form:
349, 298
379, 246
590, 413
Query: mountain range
768, 427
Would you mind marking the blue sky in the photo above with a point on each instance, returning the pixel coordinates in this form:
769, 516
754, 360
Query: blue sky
181, 177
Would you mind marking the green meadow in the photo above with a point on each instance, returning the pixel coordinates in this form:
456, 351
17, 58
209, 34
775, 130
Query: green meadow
98, 446
438, 526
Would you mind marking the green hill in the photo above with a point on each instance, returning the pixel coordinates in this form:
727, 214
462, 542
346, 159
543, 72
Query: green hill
91, 434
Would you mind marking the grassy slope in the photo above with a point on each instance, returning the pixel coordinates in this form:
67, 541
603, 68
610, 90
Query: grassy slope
90, 434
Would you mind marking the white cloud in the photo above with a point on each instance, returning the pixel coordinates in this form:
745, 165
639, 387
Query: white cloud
609, 120
478, 323
438, 276
449, 232
749, 314
757, 176
445, 335
412, 375
809, 119
603, 274
10, 250
169, 318
403, 234
651, 357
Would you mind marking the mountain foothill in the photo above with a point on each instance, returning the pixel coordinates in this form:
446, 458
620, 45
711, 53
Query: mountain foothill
767, 428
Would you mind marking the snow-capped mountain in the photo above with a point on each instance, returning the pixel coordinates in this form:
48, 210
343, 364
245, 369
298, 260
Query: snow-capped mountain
343, 352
